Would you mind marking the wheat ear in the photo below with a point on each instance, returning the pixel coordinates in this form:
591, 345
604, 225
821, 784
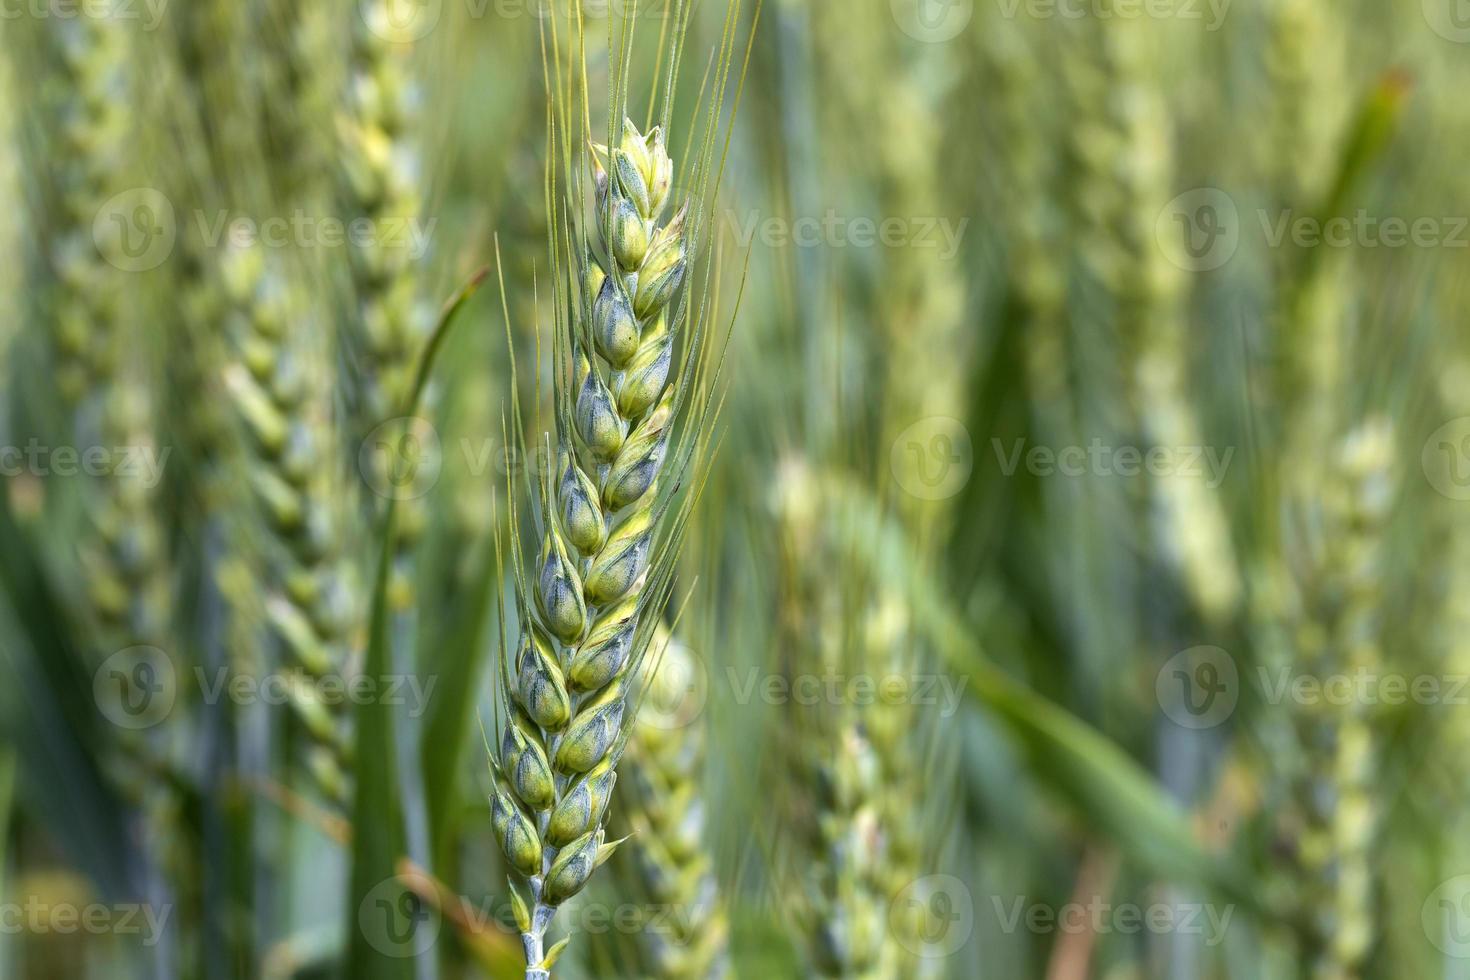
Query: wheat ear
635, 374
95, 300
663, 801
1304, 59
92, 54
305, 66
574, 673
277, 380
382, 162
1338, 630
382, 168
838, 902
104, 371
1147, 292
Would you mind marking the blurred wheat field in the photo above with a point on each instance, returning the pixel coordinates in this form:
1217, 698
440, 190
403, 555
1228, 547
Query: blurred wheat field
895, 489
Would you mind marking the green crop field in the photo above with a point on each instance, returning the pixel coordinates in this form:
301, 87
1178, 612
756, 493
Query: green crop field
694, 489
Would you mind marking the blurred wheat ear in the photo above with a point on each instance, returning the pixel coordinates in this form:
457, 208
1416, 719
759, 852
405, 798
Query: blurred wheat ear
661, 796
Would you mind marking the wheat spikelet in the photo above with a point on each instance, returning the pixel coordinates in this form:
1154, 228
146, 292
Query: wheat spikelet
663, 803
278, 381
